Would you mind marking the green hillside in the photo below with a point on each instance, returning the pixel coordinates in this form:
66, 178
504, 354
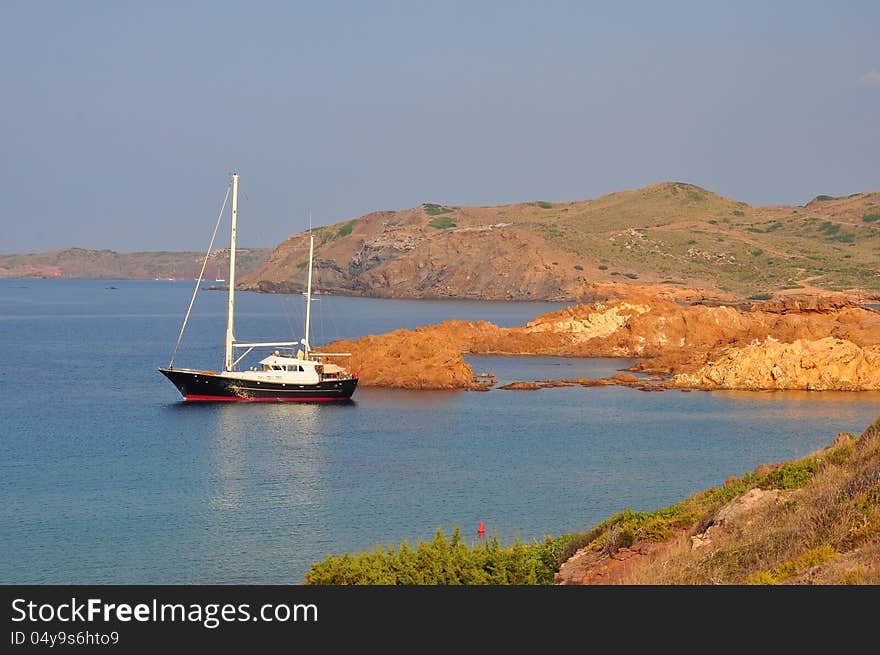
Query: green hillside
669, 233
683, 233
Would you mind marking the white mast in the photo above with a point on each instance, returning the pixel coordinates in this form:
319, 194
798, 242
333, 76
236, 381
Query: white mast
309, 293
230, 336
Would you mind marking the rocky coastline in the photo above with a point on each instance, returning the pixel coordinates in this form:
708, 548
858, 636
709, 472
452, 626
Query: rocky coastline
799, 342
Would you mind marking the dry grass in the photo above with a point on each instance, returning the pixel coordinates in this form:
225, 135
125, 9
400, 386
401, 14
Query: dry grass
824, 532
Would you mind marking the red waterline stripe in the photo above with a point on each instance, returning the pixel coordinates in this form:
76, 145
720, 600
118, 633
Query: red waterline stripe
236, 399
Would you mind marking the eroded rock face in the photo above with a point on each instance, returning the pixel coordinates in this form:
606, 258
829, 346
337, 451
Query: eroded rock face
602, 322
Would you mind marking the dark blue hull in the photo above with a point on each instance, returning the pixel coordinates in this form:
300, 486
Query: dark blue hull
205, 386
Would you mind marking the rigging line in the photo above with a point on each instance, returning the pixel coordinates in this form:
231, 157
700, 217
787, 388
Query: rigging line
290, 312
296, 317
199, 281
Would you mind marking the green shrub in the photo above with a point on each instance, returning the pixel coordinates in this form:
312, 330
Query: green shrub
442, 223
603, 267
760, 296
757, 252
871, 218
433, 209
738, 212
845, 237
824, 198
346, 229
791, 475
841, 454
543, 204
632, 276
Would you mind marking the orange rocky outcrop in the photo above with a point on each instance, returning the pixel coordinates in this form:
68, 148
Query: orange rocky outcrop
664, 337
820, 365
409, 359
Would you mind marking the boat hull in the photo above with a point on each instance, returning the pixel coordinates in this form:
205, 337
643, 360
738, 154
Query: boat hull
204, 386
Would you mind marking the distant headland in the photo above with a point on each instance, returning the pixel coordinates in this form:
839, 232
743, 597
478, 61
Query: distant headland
80, 263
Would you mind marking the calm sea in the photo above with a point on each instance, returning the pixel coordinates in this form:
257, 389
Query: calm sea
106, 477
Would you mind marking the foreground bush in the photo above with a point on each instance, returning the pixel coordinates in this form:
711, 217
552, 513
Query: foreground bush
443, 561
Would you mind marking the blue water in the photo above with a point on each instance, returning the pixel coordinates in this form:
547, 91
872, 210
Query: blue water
105, 477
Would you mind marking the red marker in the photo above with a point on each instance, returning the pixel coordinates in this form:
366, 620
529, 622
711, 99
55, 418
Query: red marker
482, 529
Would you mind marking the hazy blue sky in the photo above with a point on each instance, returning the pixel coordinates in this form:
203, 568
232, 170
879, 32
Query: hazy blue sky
122, 120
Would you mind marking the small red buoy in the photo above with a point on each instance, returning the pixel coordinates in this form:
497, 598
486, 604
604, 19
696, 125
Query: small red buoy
481, 530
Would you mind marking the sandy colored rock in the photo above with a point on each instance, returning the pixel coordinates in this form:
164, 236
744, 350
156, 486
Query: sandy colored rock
818, 365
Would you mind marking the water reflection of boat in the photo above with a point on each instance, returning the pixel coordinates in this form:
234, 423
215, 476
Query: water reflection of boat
291, 373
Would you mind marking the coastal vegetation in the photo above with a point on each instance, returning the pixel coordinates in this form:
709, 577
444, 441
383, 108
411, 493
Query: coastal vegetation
813, 520
444, 561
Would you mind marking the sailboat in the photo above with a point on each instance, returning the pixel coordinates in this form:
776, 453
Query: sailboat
293, 372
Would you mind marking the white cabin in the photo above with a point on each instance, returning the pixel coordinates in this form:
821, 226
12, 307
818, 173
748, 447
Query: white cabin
278, 367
